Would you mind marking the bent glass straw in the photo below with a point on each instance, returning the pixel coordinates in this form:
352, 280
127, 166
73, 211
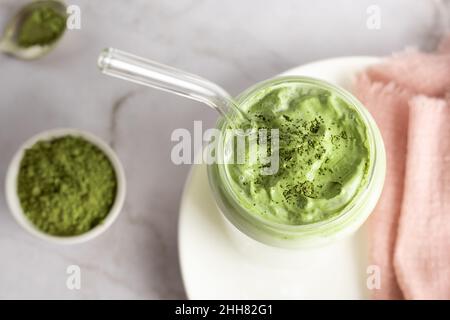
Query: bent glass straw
129, 67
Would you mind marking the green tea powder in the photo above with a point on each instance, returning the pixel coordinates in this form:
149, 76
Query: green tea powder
66, 186
42, 26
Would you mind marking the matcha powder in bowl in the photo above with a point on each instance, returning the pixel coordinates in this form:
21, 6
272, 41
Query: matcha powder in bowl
66, 186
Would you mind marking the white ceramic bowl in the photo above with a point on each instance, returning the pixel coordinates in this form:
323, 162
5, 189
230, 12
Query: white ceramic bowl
14, 202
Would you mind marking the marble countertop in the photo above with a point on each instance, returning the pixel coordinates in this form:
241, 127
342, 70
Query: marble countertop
233, 44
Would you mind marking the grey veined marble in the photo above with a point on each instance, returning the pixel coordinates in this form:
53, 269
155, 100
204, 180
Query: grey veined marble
234, 44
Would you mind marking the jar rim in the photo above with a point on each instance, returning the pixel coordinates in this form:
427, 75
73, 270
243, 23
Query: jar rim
349, 210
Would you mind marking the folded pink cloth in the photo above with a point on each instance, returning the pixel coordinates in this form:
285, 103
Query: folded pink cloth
410, 227
422, 256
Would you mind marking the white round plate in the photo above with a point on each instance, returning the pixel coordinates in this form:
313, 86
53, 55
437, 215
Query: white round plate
219, 262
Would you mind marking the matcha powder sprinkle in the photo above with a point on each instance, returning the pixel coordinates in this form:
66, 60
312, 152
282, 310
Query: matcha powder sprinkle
66, 186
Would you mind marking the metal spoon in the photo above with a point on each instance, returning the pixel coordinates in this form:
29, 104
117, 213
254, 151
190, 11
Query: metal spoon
8, 42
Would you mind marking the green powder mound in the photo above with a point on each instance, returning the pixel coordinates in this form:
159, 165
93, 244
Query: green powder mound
323, 152
43, 26
66, 186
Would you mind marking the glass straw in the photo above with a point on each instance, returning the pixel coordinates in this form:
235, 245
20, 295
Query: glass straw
129, 67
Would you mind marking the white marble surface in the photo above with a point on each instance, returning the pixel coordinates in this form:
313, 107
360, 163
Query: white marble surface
235, 43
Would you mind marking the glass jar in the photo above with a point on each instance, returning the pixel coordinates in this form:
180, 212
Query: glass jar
317, 233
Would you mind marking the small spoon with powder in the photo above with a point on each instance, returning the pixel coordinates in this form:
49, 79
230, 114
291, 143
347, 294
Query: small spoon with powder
132, 68
35, 30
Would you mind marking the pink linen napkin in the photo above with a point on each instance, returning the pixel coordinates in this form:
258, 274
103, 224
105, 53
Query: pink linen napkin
422, 255
410, 227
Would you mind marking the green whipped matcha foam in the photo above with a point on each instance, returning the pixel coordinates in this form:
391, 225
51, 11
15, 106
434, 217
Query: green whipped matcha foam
323, 155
